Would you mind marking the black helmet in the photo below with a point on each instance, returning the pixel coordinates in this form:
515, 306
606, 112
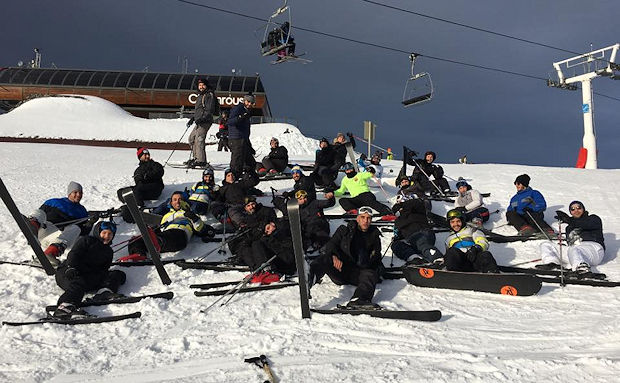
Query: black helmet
455, 213
348, 166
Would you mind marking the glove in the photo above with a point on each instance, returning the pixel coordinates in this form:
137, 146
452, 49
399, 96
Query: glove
190, 122
244, 115
563, 217
350, 135
473, 252
527, 209
72, 273
192, 216
396, 234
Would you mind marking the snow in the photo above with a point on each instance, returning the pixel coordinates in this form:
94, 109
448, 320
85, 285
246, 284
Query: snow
560, 335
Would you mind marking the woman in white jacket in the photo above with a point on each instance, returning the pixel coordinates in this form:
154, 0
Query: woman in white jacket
470, 202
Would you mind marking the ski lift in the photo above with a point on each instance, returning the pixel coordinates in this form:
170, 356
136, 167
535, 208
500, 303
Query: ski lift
277, 35
418, 88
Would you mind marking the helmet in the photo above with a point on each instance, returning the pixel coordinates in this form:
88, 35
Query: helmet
455, 213
301, 194
207, 171
348, 166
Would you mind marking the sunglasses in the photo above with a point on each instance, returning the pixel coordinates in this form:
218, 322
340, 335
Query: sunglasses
575, 208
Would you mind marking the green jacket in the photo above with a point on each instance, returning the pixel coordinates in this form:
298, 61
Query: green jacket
355, 186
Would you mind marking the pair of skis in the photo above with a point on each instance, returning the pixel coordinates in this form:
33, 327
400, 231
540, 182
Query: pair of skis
93, 318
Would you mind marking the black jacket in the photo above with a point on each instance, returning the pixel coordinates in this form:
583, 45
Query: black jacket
325, 157
235, 193
341, 245
305, 183
588, 227
90, 257
205, 105
312, 217
261, 216
412, 217
149, 172
279, 157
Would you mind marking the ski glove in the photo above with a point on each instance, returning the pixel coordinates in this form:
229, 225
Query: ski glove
473, 252
563, 217
72, 273
190, 122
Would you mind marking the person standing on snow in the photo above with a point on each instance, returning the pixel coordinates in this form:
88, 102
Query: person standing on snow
357, 186
241, 151
86, 269
352, 257
206, 107
466, 247
586, 245
47, 220
526, 210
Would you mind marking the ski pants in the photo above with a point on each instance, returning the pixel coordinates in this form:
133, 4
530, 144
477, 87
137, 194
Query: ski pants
481, 212
324, 175
364, 199
48, 232
197, 140
198, 207
365, 279
241, 154
315, 234
421, 243
519, 220
168, 240
223, 144
427, 184
257, 253
457, 260
142, 192
268, 164
76, 288
589, 252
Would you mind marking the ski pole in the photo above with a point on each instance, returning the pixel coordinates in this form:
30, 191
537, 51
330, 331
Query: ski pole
239, 285
228, 240
221, 250
175, 146
427, 176
526, 262
562, 283
387, 197
538, 226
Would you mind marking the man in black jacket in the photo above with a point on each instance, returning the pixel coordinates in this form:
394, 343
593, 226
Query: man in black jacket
341, 150
414, 239
148, 177
203, 117
86, 269
424, 168
352, 256
302, 182
314, 225
586, 244
241, 151
276, 161
325, 165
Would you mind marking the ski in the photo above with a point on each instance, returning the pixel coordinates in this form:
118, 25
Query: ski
130, 199
24, 226
505, 284
213, 285
32, 263
583, 282
351, 153
273, 286
86, 320
425, 316
275, 177
292, 208
214, 266
88, 302
146, 262
567, 273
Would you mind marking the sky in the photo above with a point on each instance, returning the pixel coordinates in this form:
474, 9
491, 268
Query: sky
491, 117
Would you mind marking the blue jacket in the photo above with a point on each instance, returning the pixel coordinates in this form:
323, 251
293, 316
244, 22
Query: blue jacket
239, 122
518, 203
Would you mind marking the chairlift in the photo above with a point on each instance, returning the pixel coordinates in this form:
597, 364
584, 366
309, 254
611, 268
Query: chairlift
277, 34
418, 88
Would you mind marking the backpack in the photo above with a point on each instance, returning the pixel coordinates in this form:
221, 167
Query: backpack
216, 106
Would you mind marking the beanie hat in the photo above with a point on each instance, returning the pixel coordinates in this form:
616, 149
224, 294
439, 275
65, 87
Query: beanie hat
250, 98
104, 225
142, 150
275, 140
323, 139
296, 169
432, 154
73, 186
577, 203
523, 179
202, 80
462, 183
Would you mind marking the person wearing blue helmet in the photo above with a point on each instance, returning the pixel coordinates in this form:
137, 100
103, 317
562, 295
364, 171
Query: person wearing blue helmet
86, 269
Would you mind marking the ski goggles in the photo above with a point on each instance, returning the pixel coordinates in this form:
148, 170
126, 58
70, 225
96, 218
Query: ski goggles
364, 210
301, 194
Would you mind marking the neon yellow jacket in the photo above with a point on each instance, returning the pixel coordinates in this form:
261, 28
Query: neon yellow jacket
355, 186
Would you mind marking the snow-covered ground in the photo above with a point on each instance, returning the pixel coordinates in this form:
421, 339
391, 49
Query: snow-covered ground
560, 335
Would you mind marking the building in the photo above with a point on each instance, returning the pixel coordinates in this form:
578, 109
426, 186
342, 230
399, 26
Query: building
144, 94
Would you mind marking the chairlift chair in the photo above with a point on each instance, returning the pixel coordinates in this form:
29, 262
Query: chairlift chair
418, 88
274, 38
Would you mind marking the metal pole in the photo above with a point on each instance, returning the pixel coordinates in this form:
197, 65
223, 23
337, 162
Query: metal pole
589, 137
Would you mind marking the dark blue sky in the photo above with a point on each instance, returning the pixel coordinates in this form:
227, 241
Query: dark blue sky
490, 116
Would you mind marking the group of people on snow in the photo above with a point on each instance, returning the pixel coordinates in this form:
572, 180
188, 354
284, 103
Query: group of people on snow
352, 255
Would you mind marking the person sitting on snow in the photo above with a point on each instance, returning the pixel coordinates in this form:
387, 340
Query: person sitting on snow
467, 247
586, 244
423, 169
352, 257
203, 193
314, 225
86, 269
177, 228
325, 165
357, 186
275, 162
526, 210
60, 221
375, 163
470, 202
148, 177
250, 213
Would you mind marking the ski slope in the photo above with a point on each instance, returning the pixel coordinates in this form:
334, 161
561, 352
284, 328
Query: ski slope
565, 334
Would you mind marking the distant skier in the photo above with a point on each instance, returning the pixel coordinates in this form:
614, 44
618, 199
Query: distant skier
222, 133
526, 209
586, 244
86, 269
466, 247
207, 106
352, 257
390, 155
60, 221
470, 202
275, 162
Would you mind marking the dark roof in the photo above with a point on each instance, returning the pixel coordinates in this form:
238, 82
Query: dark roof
118, 79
